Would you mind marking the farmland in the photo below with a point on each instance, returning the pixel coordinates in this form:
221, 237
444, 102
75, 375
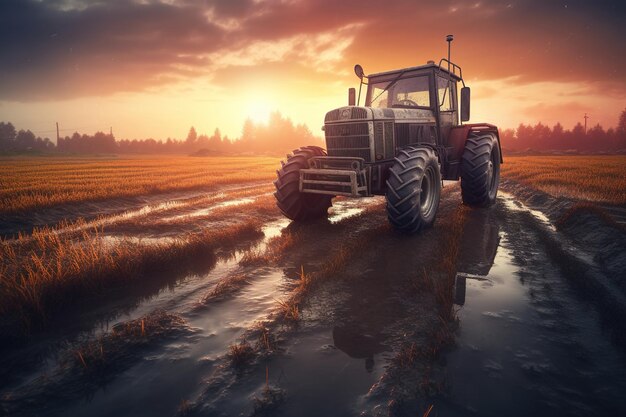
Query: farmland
180, 272
589, 178
28, 184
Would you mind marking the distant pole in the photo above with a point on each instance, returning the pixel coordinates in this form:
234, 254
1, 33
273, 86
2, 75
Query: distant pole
586, 117
57, 133
111, 131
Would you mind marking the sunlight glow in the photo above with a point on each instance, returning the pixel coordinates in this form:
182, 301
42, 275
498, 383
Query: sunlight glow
258, 109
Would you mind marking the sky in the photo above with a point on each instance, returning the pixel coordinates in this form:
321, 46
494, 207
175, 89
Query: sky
150, 68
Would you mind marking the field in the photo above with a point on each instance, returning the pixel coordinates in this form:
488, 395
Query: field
175, 283
27, 184
589, 178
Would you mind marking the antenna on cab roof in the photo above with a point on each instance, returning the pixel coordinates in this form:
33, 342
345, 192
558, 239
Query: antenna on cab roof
449, 39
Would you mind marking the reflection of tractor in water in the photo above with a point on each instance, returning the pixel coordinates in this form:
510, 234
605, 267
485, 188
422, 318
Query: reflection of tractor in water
357, 343
478, 247
401, 144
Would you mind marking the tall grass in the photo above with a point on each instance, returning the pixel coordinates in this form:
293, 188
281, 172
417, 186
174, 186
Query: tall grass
591, 178
45, 271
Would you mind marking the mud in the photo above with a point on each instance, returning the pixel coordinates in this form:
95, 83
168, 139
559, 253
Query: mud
526, 337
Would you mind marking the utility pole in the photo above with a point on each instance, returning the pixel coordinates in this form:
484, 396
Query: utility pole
111, 131
586, 117
57, 133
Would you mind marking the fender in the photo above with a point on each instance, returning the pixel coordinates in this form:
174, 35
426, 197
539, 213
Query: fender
456, 143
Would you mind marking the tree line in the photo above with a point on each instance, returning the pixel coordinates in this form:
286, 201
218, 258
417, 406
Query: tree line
278, 135
528, 138
281, 135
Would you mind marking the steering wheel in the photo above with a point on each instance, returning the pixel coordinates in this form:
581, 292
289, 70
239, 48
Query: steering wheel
407, 102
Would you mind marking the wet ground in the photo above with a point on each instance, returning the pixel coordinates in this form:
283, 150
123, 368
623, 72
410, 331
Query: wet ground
529, 339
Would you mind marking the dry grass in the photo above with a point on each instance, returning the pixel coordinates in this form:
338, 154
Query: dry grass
591, 178
270, 400
182, 215
84, 367
27, 183
226, 286
241, 354
45, 271
574, 212
96, 355
274, 249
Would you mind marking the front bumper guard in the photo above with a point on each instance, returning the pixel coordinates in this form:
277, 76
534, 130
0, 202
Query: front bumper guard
336, 176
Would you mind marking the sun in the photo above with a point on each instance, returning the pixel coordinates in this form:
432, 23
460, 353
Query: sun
258, 109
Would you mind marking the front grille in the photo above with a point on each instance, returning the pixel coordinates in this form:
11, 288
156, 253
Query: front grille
354, 153
348, 139
346, 129
355, 113
358, 113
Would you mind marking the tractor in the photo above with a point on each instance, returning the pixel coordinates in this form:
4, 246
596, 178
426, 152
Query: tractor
402, 144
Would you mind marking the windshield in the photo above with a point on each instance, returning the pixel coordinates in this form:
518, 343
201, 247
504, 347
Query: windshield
407, 92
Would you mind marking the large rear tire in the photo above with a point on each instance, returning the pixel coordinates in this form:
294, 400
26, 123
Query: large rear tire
480, 170
413, 189
291, 202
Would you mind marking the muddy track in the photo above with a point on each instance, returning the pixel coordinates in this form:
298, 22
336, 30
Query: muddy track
115, 209
339, 317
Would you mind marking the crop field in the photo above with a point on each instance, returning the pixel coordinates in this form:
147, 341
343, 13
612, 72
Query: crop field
589, 178
174, 286
26, 184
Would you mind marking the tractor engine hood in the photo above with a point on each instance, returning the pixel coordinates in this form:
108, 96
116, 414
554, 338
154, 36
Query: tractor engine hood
348, 113
375, 134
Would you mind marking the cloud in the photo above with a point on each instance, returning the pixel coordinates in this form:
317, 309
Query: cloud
72, 48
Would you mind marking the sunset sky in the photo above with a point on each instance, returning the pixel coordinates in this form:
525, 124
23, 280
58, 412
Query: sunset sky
155, 68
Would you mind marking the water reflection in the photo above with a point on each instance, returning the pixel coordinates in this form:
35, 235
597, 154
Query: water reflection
478, 247
358, 344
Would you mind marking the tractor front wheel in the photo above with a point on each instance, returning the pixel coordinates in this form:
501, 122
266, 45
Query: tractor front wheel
480, 170
291, 202
413, 189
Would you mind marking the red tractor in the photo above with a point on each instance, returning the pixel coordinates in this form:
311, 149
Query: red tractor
402, 143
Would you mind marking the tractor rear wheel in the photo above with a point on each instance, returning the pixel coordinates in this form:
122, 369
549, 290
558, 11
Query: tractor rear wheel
480, 170
413, 189
291, 202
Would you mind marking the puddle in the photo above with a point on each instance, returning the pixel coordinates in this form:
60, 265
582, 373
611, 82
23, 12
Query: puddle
515, 205
113, 240
348, 207
527, 343
167, 376
208, 210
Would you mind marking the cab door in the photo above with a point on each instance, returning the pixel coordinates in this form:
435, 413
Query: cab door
446, 102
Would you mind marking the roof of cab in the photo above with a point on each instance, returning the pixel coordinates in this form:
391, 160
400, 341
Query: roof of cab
418, 68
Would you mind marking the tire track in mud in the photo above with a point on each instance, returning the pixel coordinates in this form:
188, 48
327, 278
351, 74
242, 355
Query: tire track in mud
226, 318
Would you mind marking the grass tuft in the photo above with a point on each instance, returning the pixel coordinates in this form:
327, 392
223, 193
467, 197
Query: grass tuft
241, 354
40, 274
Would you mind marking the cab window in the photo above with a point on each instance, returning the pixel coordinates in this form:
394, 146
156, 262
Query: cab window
444, 93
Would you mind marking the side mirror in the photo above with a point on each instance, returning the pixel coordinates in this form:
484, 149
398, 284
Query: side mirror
351, 96
465, 104
358, 70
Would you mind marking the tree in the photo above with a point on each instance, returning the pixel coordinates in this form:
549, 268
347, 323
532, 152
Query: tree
7, 136
192, 136
621, 125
